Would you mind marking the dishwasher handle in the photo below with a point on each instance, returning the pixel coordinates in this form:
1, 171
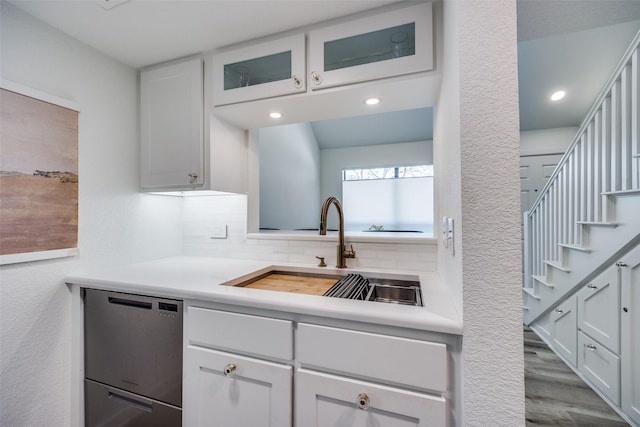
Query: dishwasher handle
136, 403
131, 302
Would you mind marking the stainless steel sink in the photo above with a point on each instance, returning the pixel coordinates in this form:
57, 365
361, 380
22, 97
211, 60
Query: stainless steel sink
394, 291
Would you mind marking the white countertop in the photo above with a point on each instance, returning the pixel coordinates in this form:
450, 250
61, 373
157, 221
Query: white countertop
203, 278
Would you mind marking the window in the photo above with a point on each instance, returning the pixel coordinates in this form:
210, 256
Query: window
393, 199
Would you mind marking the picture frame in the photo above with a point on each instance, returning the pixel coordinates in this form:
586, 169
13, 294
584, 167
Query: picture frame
38, 175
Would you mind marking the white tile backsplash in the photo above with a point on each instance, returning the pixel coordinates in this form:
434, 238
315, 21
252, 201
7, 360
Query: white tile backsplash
202, 214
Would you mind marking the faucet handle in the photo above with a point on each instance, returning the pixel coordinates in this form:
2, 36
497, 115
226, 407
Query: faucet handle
321, 263
350, 253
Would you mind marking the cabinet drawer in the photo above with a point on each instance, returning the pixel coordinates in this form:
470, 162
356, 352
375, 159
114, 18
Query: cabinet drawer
241, 332
401, 360
599, 366
329, 400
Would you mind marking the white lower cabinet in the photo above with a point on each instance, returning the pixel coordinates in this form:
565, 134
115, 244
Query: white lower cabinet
600, 366
563, 322
599, 309
630, 327
238, 372
229, 390
324, 400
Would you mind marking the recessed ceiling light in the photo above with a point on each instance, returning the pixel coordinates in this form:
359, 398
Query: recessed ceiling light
372, 101
558, 95
275, 115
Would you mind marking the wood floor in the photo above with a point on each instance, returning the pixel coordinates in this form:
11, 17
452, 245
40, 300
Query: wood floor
556, 396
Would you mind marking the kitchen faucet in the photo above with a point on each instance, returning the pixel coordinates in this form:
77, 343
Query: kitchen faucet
343, 253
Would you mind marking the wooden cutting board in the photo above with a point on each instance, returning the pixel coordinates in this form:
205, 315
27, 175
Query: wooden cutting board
292, 283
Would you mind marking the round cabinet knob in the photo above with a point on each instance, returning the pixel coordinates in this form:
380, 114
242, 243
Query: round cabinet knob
230, 369
316, 78
363, 401
193, 176
297, 82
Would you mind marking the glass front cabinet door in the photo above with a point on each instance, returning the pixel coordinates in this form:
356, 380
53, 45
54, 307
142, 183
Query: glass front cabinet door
384, 45
261, 70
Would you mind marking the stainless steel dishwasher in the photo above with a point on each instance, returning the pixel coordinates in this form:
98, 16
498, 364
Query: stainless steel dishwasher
133, 360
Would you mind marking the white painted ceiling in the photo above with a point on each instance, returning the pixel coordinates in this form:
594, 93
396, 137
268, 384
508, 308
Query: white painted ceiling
569, 44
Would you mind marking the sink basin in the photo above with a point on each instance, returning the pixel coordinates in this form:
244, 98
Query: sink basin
404, 291
396, 292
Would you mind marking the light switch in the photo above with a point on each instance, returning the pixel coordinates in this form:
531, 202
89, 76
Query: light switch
445, 231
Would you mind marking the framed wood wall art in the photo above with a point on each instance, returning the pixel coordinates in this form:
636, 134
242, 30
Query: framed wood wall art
38, 175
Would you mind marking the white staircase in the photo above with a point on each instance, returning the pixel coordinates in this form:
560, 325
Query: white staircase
589, 212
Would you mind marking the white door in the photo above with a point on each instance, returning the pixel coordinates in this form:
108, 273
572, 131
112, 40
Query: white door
599, 309
535, 171
227, 390
564, 336
324, 400
630, 328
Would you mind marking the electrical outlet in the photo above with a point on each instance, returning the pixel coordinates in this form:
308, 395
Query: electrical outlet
218, 232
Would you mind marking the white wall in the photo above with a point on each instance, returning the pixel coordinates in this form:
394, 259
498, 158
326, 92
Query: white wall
478, 106
289, 177
116, 223
546, 141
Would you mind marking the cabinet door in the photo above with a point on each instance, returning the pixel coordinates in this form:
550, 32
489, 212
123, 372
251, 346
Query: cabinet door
630, 328
260, 70
324, 400
171, 120
564, 330
600, 366
599, 309
389, 44
223, 389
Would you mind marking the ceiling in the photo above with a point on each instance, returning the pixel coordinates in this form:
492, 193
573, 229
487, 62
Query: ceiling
568, 44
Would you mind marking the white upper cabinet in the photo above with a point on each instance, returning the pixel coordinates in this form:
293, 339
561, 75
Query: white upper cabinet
261, 70
171, 126
183, 147
384, 45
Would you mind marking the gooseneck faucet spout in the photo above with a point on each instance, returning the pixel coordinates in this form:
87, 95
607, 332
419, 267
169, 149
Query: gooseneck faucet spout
342, 252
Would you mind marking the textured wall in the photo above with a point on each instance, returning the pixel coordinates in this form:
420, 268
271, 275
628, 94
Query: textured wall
489, 135
116, 223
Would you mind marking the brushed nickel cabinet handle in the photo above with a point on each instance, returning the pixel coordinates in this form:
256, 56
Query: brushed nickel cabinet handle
297, 82
557, 310
592, 286
193, 176
230, 369
591, 347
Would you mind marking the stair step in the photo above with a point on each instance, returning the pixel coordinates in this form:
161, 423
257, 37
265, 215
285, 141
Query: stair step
531, 293
557, 265
575, 247
622, 192
598, 223
543, 281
